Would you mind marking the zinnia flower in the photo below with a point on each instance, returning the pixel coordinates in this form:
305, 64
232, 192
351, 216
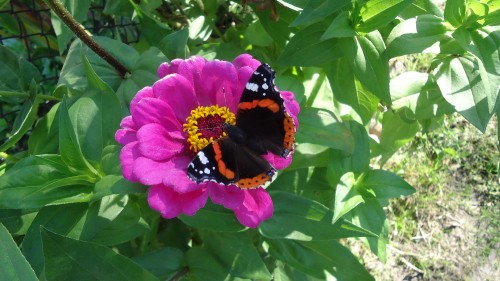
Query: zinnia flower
159, 143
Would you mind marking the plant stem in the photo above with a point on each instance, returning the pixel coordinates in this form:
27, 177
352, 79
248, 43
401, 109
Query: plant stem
79, 31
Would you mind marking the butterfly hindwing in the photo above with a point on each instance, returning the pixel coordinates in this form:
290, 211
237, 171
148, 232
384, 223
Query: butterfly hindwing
226, 162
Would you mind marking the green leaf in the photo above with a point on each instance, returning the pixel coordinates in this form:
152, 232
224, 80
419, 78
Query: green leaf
307, 155
69, 144
417, 35
162, 262
95, 116
174, 45
371, 216
319, 126
464, 84
368, 58
383, 185
73, 71
255, 34
115, 184
317, 10
204, 265
283, 272
67, 258
13, 265
278, 30
341, 26
79, 10
395, 133
17, 221
16, 73
306, 49
378, 13
36, 181
421, 7
299, 218
236, 253
416, 97
28, 116
213, 217
348, 90
454, 12
347, 196
318, 258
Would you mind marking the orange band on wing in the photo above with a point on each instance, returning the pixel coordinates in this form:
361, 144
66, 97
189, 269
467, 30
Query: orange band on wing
254, 182
221, 166
289, 139
265, 103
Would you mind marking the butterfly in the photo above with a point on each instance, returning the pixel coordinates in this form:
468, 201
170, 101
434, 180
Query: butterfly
262, 126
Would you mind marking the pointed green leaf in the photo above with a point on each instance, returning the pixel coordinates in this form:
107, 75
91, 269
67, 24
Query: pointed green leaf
213, 217
341, 26
319, 258
383, 185
454, 12
28, 115
378, 13
13, 265
67, 258
347, 196
162, 262
317, 10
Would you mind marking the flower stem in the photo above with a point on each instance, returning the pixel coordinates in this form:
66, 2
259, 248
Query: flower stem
79, 31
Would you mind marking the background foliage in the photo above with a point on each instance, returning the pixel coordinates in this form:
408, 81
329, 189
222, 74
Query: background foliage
65, 209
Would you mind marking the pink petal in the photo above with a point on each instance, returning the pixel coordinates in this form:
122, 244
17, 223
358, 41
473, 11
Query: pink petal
156, 143
150, 172
146, 92
128, 156
228, 196
277, 161
179, 93
171, 204
177, 176
219, 83
191, 69
167, 68
152, 110
246, 60
128, 132
256, 208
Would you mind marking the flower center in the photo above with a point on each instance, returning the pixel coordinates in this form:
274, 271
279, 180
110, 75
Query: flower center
206, 124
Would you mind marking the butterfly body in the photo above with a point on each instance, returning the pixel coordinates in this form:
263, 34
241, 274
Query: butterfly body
262, 126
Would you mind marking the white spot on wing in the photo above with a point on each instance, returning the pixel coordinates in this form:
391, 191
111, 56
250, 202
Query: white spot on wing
203, 158
264, 86
207, 171
252, 87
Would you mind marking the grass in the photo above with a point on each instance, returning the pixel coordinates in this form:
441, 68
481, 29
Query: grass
449, 229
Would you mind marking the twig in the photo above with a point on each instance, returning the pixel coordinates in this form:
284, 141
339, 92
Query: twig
410, 265
69, 20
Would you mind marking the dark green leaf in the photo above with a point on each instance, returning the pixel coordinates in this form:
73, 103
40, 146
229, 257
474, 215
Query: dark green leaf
306, 49
417, 35
69, 144
213, 217
162, 262
331, 133
174, 45
27, 116
341, 26
13, 265
307, 155
317, 10
299, 218
464, 83
17, 221
347, 196
283, 272
316, 257
73, 71
369, 61
378, 13
454, 12
95, 116
236, 253
255, 34
71, 259
204, 265
77, 8
348, 90
115, 184
371, 216
278, 30
37, 181
416, 97
383, 185
16, 73
395, 133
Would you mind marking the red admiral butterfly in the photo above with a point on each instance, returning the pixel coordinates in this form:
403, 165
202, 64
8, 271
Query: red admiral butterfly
262, 125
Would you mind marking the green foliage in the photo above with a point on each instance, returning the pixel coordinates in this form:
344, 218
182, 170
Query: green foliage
65, 203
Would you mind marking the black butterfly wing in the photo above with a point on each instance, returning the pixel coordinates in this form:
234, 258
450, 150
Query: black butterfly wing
227, 162
262, 116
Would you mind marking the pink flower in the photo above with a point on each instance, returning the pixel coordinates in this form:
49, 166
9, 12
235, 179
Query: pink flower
158, 144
